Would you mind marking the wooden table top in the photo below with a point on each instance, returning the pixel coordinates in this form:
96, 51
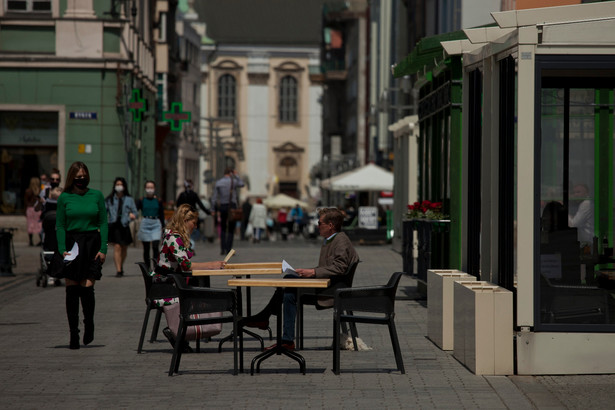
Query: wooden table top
255, 265
237, 272
281, 283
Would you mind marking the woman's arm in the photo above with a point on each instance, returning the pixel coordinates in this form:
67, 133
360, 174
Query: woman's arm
130, 203
102, 223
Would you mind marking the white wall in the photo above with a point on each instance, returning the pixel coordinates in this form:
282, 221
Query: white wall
476, 13
256, 139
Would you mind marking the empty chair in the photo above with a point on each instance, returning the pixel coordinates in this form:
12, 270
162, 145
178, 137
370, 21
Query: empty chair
194, 301
308, 296
153, 291
374, 299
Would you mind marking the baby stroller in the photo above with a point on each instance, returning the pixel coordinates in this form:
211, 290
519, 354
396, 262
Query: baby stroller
50, 243
42, 278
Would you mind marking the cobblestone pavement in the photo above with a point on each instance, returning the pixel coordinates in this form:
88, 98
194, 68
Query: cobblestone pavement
39, 371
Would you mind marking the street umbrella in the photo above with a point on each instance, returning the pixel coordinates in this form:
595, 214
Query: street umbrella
283, 201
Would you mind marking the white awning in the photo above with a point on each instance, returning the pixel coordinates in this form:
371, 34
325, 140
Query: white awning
367, 178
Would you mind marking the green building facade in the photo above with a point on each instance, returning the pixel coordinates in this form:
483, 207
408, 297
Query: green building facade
76, 85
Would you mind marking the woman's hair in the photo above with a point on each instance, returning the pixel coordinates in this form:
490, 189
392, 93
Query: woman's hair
177, 224
72, 173
124, 184
554, 217
149, 181
332, 215
35, 185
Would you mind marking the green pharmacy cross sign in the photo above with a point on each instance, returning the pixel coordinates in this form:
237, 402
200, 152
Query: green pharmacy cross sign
136, 105
176, 116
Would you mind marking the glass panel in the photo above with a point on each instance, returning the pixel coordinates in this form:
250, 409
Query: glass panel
226, 96
17, 5
568, 251
41, 5
288, 99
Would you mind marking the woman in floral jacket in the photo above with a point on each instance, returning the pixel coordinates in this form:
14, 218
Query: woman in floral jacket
175, 257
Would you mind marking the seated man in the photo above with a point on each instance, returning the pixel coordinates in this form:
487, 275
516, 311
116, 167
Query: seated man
336, 255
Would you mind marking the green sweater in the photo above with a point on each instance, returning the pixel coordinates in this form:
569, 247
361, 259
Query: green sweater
81, 213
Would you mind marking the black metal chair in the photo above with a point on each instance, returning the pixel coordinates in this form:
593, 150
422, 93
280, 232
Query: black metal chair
308, 296
194, 301
375, 299
153, 291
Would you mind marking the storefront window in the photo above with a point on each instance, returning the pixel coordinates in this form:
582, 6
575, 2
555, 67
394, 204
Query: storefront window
570, 249
28, 148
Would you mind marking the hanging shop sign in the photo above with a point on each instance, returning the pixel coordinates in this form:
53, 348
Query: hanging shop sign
176, 117
137, 105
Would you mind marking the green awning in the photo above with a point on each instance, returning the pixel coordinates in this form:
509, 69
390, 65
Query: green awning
427, 52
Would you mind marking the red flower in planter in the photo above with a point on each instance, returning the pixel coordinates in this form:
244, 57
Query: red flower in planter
426, 210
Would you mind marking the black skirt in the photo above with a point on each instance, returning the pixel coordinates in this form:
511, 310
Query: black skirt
85, 265
119, 234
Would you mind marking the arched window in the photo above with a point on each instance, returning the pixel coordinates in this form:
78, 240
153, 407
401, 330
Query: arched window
288, 99
226, 96
288, 163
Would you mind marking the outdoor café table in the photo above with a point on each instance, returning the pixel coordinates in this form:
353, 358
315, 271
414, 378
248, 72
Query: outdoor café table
238, 270
280, 284
243, 269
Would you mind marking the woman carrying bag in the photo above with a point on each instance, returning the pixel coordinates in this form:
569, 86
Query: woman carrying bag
121, 209
81, 227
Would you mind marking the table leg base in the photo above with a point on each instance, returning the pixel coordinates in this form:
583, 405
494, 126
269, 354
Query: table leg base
246, 331
277, 350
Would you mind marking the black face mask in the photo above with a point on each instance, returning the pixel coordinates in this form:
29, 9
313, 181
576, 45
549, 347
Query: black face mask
81, 183
54, 185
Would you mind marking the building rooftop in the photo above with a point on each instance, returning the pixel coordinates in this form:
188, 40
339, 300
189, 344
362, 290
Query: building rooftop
271, 22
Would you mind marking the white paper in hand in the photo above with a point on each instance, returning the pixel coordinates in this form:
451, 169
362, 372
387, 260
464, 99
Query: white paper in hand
73, 253
288, 270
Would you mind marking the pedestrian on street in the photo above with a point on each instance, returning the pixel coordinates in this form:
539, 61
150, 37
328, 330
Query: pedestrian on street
150, 229
258, 219
81, 220
225, 198
247, 208
33, 217
282, 223
191, 198
121, 209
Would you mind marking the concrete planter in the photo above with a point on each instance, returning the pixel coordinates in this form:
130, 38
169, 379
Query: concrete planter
440, 305
483, 328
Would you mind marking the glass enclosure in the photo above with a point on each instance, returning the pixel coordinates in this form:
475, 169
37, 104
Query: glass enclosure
576, 279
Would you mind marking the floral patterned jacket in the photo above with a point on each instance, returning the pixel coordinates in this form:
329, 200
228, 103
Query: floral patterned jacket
175, 256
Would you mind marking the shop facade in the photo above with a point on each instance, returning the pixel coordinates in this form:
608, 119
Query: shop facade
538, 98
77, 86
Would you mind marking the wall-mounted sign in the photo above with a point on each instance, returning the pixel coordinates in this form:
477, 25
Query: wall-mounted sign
176, 117
19, 128
368, 217
82, 115
136, 105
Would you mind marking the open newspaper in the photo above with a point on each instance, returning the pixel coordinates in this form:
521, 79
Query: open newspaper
288, 271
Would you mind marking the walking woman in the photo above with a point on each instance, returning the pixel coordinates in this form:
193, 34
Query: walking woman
121, 209
81, 219
150, 230
33, 217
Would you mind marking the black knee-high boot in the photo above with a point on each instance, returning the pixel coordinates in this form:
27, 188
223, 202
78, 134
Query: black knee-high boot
87, 304
72, 313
